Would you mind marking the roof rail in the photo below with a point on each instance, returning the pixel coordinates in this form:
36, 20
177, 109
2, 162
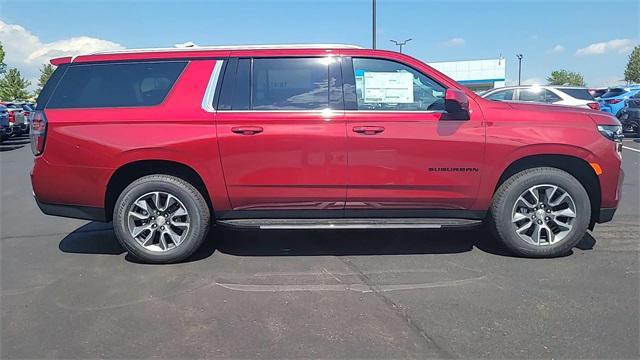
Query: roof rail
232, 47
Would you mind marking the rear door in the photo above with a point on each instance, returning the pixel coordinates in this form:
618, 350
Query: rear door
402, 154
281, 133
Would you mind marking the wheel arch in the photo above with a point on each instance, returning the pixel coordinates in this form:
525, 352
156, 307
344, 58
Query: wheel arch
129, 172
577, 167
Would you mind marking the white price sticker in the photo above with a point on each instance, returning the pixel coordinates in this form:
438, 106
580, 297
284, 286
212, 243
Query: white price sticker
388, 87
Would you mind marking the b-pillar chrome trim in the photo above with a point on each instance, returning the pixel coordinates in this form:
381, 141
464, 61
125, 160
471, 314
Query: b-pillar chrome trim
210, 92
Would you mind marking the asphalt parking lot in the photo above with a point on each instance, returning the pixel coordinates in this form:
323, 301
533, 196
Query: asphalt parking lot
68, 290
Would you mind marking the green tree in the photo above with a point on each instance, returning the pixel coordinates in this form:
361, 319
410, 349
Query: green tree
45, 73
13, 86
632, 73
2, 65
565, 77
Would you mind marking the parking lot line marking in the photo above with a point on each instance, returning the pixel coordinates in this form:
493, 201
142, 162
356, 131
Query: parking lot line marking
632, 149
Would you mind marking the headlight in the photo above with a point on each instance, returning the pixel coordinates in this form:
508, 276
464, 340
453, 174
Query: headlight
611, 132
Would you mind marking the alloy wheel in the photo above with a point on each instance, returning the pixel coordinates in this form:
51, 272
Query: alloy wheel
543, 214
158, 221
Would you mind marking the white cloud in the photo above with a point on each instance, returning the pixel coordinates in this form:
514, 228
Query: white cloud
455, 42
556, 49
621, 46
27, 52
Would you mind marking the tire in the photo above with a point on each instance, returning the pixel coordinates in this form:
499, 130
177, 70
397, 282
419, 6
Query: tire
161, 248
509, 204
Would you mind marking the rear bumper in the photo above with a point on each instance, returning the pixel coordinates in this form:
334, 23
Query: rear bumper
606, 215
73, 211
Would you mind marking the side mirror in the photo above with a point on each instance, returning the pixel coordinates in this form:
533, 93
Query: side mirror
456, 105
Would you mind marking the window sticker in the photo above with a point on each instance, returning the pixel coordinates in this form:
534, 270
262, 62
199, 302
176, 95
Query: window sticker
388, 87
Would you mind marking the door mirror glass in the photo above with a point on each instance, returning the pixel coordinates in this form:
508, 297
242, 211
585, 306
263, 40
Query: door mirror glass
456, 104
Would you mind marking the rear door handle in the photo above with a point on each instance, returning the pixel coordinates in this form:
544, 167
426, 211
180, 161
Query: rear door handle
247, 130
368, 130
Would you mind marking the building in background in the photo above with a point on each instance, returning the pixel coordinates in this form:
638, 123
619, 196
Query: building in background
477, 75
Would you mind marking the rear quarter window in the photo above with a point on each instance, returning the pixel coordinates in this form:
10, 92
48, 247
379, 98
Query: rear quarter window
115, 84
582, 94
613, 93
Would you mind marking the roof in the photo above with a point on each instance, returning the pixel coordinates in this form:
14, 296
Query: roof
231, 47
197, 52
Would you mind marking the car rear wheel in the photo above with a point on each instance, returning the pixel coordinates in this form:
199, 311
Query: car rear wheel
161, 219
540, 212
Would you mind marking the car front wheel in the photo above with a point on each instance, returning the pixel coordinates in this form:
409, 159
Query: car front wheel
161, 219
540, 212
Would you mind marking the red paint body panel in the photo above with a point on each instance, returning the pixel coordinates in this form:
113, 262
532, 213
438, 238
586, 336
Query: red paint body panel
299, 161
391, 169
308, 160
85, 147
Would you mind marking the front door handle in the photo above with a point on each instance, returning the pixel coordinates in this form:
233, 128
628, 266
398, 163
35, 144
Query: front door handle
247, 130
368, 130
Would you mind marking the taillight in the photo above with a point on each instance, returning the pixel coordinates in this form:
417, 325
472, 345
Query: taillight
12, 118
613, 101
38, 132
594, 105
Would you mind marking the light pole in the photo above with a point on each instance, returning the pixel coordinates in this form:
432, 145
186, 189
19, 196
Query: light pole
401, 43
519, 56
373, 23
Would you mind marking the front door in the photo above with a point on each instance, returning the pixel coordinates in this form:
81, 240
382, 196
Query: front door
403, 156
281, 132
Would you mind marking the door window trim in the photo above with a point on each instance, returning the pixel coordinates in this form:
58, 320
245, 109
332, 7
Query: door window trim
213, 87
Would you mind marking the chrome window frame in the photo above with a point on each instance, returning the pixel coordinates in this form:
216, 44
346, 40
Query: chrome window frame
210, 92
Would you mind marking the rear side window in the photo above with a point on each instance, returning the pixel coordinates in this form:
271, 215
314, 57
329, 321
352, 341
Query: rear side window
115, 84
582, 94
290, 84
501, 95
538, 95
613, 93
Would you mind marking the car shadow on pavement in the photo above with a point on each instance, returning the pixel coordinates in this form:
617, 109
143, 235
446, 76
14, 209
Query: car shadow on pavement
92, 238
98, 238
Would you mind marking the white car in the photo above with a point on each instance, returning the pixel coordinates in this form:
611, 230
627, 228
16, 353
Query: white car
557, 95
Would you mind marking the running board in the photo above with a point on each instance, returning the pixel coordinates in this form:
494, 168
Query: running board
386, 223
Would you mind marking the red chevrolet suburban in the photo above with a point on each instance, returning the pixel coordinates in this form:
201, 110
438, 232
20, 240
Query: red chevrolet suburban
166, 142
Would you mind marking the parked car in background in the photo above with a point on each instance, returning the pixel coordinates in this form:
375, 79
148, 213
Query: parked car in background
27, 111
555, 95
17, 121
311, 137
630, 115
597, 92
4, 123
613, 101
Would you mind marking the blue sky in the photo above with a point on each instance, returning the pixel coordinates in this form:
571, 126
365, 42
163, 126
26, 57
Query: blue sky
550, 34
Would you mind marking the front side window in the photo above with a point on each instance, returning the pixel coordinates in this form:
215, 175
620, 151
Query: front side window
116, 84
501, 95
290, 84
392, 86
